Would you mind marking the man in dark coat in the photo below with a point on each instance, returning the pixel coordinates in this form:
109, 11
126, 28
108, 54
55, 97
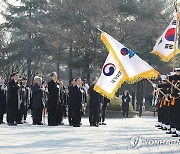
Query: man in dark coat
37, 100
94, 105
70, 101
53, 89
3, 90
12, 100
76, 106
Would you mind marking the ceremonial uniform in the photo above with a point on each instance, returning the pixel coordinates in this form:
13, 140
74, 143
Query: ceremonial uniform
164, 113
175, 102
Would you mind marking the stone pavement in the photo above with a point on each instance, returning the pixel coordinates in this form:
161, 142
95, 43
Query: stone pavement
133, 135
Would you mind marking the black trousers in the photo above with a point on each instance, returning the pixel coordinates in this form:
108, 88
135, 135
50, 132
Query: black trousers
12, 114
51, 118
168, 120
76, 117
94, 116
163, 112
70, 114
139, 109
37, 116
103, 112
172, 116
159, 114
59, 113
177, 114
1, 113
125, 113
52, 112
22, 113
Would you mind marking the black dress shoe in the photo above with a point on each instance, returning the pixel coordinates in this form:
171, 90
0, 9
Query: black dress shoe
176, 135
170, 132
157, 126
40, 124
160, 128
91, 124
103, 123
19, 123
96, 125
173, 132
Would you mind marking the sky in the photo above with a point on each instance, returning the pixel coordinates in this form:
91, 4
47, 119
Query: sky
3, 7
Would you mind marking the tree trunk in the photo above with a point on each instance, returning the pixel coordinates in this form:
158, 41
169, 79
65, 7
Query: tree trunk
58, 69
70, 63
29, 77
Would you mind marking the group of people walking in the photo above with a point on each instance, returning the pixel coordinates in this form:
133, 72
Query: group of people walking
52, 98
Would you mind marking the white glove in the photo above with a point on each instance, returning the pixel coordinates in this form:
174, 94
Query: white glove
154, 85
43, 89
58, 86
4, 87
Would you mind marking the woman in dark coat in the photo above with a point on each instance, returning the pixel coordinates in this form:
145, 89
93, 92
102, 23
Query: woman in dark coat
125, 103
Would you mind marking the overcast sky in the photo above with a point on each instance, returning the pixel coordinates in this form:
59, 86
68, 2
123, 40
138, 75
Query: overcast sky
2, 7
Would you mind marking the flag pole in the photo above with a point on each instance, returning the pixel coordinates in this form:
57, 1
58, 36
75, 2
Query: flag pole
172, 84
157, 88
176, 36
99, 29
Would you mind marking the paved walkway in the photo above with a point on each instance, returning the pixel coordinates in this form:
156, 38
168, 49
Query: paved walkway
133, 135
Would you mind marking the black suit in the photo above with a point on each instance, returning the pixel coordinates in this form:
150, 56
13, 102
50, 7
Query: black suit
2, 103
70, 103
94, 106
76, 106
37, 103
52, 102
12, 102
